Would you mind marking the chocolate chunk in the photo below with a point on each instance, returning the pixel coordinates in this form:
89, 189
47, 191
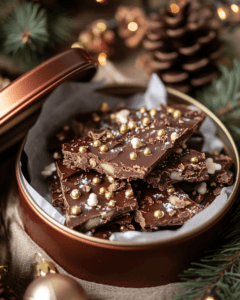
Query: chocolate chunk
57, 196
178, 167
127, 153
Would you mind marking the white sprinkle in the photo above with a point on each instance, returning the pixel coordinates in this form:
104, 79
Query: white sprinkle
175, 176
136, 143
122, 116
202, 188
174, 136
92, 200
89, 233
212, 167
48, 170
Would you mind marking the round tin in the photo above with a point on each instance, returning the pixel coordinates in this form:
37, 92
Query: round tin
126, 264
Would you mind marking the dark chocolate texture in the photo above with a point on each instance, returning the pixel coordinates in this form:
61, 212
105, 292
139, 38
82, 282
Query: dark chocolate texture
57, 196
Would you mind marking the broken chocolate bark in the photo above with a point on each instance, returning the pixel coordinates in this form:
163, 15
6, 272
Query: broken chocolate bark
88, 201
57, 196
183, 165
133, 149
168, 208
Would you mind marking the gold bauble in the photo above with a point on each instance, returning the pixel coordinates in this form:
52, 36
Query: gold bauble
109, 135
111, 179
147, 152
153, 112
132, 125
142, 110
104, 107
177, 114
96, 180
76, 210
75, 194
103, 148
161, 133
158, 214
82, 149
123, 128
146, 121
108, 195
133, 156
171, 190
194, 160
111, 203
102, 190
129, 194
97, 143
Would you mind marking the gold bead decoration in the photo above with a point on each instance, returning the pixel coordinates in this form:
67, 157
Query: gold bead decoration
113, 116
76, 210
104, 107
129, 194
158, 214
96, 180
171, 190
215, 152
97, 143
102, 190
179, 150
111, 203
66, 127
146, 121
153, 112
57, 155
111, 179
109, 135
96, 118
122, 228
133, 156
103, 148
188, 202
61, 137
132, 125
194, 160
177, 114
82, 149
108, 195
143, 109
147, 152
75, 194
161, 133
123, 128
170, 110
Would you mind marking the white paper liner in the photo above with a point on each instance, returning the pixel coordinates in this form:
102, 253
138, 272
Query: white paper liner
66, 101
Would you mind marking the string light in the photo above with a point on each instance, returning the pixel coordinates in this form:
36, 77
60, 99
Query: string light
221, 13
102, 59
133, 26
235, 8
174, 8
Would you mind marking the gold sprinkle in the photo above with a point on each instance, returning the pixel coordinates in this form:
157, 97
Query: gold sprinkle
113, 116
132, 125
177, 114
146, 121
147, 152
123, 128
122, 228
61, 137
102, 190
179, 150
174, 136
215, 152
108, 195
111, 203
96, 180
104, 107
75, 194
76, 210
103, 148
161, 133
153, 112
158, 214
170, 110
111, 179
171, 190
194, 160
109, 135
188, 203
97, 143
129, 194
66, 127
57, 155
143, 109
133, 156
82, 149
96, 118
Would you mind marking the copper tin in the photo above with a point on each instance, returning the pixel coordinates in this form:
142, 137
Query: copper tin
126, 264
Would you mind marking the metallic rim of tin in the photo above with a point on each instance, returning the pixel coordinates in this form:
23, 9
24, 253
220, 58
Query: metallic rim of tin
175, 239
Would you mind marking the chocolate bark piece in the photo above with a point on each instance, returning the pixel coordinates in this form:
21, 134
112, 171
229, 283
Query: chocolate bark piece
159, 209
188, 165
88, 202
132, 150
57, 196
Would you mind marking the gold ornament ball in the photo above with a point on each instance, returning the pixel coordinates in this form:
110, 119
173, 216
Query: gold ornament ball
177, 114
108, 195
104, 107
143, 109
123, 128
147, 152
103, 148
96, 118
194, 160
133, 156
153, 112
75, 194
82, 149
129, 194
158, 214
102, 190
109, 135
146, 121
161, 133
96, 180
132, 125
111, 179
170, 110
111, 203
97, 143
55, 286
171, 190
76, 210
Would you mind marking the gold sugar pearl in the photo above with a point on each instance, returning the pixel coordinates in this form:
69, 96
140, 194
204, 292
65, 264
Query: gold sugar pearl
57, 155
133, 156
82, 149
123, 128
111, 179
188, 202
66, 127
109, 135
122, 228
108, 195
61, 137
96, 118
104, 107
103, 148
75, 194
215, 152
143, 109
177, 114
113, 116
96, 180
161, 133
170, 110
194, 160
111, 203
97, 143
171, 190
147, 152
132, 125
158, 214
153, 112
146, 121
76, 210
102, 190
129, 194
179, 150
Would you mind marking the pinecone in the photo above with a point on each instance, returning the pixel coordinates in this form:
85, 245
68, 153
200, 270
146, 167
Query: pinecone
182, 45
6, 293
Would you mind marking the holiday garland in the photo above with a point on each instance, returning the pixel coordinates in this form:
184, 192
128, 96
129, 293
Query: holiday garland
218, 274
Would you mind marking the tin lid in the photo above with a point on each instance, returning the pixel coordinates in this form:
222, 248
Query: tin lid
25, 95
